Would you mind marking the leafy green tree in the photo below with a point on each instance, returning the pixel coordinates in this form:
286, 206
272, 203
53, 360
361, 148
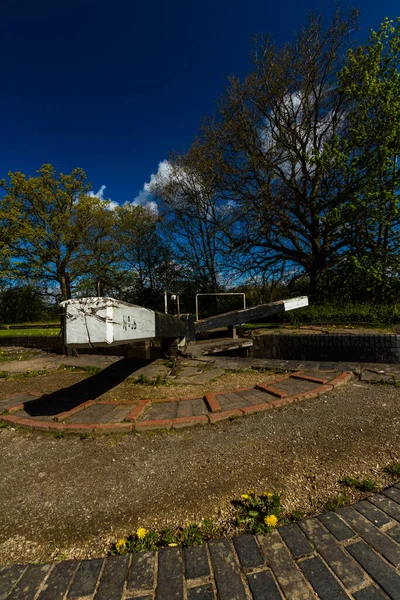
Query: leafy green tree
371, 149
44, 222
23, 304
143, 254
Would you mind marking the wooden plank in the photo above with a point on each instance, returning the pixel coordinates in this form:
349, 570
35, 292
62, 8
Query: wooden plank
97, 322
261, 311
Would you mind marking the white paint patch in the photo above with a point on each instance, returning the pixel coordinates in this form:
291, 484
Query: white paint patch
106, 322
295, 303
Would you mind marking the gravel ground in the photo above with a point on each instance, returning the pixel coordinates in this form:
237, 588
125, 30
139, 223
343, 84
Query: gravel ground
72, 497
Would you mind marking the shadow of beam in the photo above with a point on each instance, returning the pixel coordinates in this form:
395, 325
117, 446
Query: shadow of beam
89, 389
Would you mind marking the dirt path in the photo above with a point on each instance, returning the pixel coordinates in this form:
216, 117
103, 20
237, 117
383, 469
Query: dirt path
70, 497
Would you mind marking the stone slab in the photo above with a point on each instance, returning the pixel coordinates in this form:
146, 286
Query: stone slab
284, 568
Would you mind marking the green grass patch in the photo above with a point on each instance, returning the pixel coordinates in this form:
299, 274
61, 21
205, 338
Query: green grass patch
393, 469
90, 370
336, 502
28, 332
365, 485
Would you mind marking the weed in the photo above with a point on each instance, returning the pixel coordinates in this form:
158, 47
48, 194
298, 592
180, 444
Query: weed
259, 514
59, 434
142, 380
336, 502
365, 485
393, 469
296, 515
170, 363
3, 424
159, 380
90, 370
254, 513
394, 381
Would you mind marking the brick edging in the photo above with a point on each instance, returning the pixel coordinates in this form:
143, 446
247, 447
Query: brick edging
132, 424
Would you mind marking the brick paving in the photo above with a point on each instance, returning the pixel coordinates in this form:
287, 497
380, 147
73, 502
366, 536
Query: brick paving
60, 412
353, 553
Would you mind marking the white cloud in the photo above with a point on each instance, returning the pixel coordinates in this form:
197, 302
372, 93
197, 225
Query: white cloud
111, 205
99, 194
144, 196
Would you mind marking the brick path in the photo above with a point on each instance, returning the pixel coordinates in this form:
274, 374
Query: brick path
66, 411
354, 553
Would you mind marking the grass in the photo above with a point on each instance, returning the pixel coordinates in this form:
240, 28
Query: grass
28, 332
393, 469
365, 485
89, 370
29, 373
337, 502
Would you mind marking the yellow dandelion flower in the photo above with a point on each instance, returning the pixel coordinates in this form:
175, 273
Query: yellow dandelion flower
141, 533
271, 520
172, 545
245, 496
251, 492
268, 494
120, 544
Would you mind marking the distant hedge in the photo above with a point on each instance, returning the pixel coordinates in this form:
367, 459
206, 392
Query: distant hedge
344, 315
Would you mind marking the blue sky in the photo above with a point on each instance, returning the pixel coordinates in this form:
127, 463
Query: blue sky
113, 85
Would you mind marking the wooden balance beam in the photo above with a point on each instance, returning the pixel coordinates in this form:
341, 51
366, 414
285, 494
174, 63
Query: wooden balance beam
97, 322
237, 317
102, 321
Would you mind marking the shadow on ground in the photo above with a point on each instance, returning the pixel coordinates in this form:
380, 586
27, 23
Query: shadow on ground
89, 389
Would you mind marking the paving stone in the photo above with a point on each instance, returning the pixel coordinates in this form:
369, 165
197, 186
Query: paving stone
284, 568
147, 597
369, 593
386, 504
85, 580
337, 527
204, 377
371, 534
263, 586
196, 562
322, 580
58, 581
384, 575
113, 578
116, 413
257, 396
165, 410
394, 533
345, 568
170, 574
189, 408
142, 572
231, 401
8, 578
248, 551
393, 493
19, 399
226, 570
295, 386
93, 414
203, 592
29, 583
295, 539
372, 513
